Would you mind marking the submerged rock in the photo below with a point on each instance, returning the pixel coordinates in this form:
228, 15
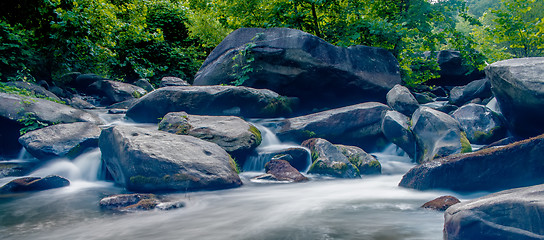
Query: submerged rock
294, 63
441, 203
29, 184
511, 214
327, 159
151, 160
137, 201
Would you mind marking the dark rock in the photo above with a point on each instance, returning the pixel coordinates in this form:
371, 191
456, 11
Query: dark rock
298, 157
83, 81
283, 171
78, 102
294, 63
441, 203
437, 135
143, 83
511, 214
59, 92
396, 128
124, 202
34, 89
365, 163
210, 100
442, 106
518, 86
114, 91
124, 104
16, 168
476, 89
43, 84
172, 81
9, 135
61, 140
515, 165
481, 125
452, 72
29, 184
358, 125
401, 99
233, 134
329, 160
151, 160
423, 98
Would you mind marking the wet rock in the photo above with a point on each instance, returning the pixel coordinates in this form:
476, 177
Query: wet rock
481, 125
401, 99
294, 63
281, 170
437, 135
511, 214
233, 134
15, 168
396, 128
61, 140
147, 160
516, 165
327, 159
123, 105
137, 202
210, 100
83, 81
358, 125
29, 184
114, 91
442, 106
143, 83
172, 81
366, 163
298, 157
476, 89
79, 103
518, 86
441, 203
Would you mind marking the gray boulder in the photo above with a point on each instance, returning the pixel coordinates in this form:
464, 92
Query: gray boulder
61, 140
114, 91
143, 83
151, 160
442, 106
365, 163
294, 63
481, 125
437, 135
281, 170
233, 134
396, 128
515, 165
30, 184
210, 100
512, 214
81, 82
34, 89
401, 99
518, 86
358, 125
475, 89
327, 159
172, 81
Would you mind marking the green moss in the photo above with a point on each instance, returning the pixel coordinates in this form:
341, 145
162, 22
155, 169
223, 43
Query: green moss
137, 94
234, 165
25, 93
256, 133
277, 105
481, 136
465, 144
374, 164
315, 156
308, 134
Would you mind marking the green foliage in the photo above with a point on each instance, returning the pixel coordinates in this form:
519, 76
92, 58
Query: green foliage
30, 123
257, 134
243, 62
25, 93
15, 54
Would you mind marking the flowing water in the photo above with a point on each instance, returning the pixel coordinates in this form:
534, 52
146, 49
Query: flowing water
323, 208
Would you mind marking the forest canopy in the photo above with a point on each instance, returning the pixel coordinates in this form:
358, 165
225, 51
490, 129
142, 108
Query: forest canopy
127, 40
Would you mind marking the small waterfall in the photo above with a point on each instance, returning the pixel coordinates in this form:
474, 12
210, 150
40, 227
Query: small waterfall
85, 167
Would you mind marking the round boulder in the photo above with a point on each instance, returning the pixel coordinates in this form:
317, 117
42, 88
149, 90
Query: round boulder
481, 125
327, 159
401, 99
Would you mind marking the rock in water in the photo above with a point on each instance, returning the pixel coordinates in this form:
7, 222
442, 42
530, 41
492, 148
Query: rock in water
151, 160
29, 184
283, 171
210, 100
441, 203
294, 63
481, 125
512, 214
327, 159
396, 128
518, 86
515, 165
366, 163
61, 140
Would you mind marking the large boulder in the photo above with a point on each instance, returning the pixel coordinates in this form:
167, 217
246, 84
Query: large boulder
210, 100
396, 128
518, 86
29, 184
151, 160
452, 71
327, 159
476, 89
365, 163
512, 214
294, 63
437, 135
481, 125
515, 165
34, 89
401, 99
358, 125
61, 140
233, 134
115, 91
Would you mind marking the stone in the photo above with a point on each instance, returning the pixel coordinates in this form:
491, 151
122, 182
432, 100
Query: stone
16, 168
114, 91
82, 81
283, 171
396, 128
126, 202
441, 203
476, 89
452, 72
365, 163
233, 134
145, 160
358, 125
210, 100
294, 63
79, 103
143, 83
515, 165
511, 214
30, 184
518, 86
442, 106
437, 135
61, 140
298, 157
327, 159
481, 125
401, 99
34, 89
172, 81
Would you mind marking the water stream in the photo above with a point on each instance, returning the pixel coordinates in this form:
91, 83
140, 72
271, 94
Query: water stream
323, 208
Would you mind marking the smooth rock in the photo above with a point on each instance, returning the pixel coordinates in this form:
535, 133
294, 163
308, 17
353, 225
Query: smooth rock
30, 184
34, 89
396, 128
172, 81
365, 163
283, 171
143, 83
114, 91
481, 125
125, 202
327, 159
441, 203
475, 89
401, 99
